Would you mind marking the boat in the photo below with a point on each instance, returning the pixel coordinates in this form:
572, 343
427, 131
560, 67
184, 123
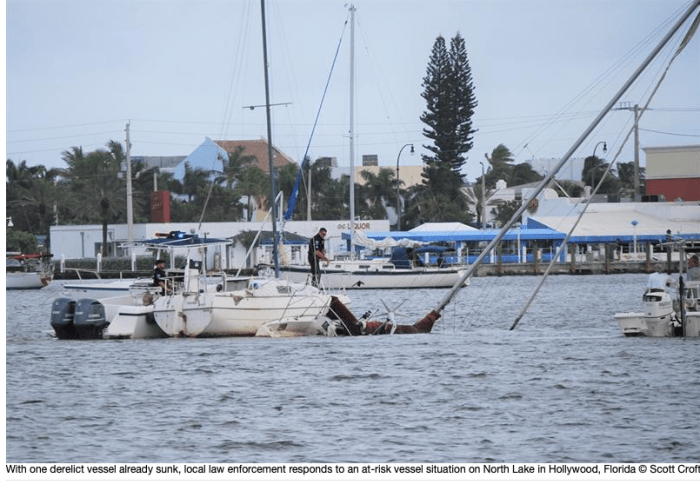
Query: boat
267, 306
28, 271
352, 272
125, 308
671, 305
123, 286
406, 268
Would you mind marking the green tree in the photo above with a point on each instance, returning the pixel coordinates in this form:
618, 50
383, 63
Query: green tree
378, 191
237, 163
20, 241
254, 184
593, 171
31, 194
450, 102
625, 173
504, 211
97, 193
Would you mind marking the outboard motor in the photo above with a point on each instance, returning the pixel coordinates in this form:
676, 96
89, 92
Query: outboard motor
89, 320
62, 313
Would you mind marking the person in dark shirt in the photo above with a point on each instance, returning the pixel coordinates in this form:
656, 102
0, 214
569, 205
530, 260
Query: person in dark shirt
317, 252
159, 276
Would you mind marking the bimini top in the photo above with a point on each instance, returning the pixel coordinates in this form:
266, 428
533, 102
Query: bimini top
177, 238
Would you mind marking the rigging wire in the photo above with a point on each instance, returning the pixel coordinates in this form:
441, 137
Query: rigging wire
300, 177
693, 28
617, 67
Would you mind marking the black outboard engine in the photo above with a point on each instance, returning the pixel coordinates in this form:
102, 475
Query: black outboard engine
62, 313
89, 320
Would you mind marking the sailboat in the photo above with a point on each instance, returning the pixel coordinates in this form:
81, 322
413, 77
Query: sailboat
381, 273
267, 306
27, 271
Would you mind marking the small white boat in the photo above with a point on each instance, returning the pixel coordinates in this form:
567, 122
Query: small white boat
28, 271
671, 308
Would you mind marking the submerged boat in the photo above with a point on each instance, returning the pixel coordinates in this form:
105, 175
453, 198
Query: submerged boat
28, 271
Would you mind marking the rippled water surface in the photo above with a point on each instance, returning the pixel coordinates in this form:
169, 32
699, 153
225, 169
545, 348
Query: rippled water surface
565, 386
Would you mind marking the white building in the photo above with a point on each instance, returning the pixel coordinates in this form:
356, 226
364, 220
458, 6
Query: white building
85, 241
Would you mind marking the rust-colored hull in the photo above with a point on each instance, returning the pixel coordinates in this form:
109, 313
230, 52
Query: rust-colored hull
354, 327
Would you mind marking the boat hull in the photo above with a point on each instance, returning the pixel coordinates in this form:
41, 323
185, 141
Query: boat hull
377, 277
240, 313
27, 280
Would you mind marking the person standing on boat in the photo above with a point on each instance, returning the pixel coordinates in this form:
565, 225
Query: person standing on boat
694, 268
317, 252
159, 276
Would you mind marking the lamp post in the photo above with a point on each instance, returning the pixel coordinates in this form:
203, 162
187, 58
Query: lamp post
9, 222
605, 149
483, 196
398, 195
634, 225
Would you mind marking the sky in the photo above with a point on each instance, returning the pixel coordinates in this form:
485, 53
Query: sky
78, 71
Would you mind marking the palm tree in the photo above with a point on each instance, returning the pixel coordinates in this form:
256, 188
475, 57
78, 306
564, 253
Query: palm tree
254, 183
379, 189
237, 163
97, 192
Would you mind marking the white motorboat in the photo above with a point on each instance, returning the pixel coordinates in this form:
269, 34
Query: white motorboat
123, 286
114, 317
671, 308
27, 271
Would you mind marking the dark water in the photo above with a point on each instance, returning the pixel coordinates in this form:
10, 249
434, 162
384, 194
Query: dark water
565, 386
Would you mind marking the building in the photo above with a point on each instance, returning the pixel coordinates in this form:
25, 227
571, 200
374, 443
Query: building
85, 241
673, 173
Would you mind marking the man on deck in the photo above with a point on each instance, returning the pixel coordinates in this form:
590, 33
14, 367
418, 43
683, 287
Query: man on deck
317, 252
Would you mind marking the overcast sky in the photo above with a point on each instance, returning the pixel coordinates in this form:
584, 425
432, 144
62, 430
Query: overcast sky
180, 71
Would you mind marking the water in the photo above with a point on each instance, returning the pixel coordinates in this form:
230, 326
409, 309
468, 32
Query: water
565, 386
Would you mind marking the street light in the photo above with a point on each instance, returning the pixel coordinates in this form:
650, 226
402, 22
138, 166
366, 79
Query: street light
634, 225
9, 222
398, 195
483, 197
605, 149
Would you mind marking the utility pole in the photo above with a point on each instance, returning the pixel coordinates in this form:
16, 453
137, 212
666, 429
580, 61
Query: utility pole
129, 193
634, 108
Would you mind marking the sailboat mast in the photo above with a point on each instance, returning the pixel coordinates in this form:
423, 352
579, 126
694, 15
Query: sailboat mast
273, 181
352, 128
468, 273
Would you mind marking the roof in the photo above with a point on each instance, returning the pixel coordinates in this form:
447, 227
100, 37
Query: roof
211, 155
289, 238
620, 222
443, 227
257, 149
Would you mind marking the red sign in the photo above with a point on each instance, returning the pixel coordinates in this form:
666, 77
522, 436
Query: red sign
160, 207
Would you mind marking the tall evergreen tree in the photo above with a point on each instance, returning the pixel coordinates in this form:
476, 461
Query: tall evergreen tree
450, 102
